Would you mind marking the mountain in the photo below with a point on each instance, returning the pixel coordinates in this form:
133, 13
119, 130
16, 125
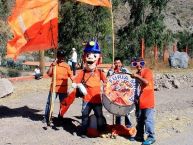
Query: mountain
178, 15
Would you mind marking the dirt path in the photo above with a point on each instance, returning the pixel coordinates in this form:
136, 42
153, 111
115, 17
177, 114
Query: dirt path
21, 117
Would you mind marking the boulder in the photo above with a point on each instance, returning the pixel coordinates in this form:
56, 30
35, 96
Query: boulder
179, 59
6, 87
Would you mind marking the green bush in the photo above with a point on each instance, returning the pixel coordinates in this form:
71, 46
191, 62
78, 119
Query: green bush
13, 73
3, 72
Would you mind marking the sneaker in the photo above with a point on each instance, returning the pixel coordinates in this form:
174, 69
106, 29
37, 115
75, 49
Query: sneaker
139, 138
83, 136
60, 118
148, 141
44, 120
132, 138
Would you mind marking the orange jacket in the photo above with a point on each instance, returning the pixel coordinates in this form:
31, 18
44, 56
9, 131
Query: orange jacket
147, 98
93, 84
63, 72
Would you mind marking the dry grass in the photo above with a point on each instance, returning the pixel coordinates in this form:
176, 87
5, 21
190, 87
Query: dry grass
162, 67
23, 87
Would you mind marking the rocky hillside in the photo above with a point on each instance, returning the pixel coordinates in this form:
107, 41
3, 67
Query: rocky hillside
178, 15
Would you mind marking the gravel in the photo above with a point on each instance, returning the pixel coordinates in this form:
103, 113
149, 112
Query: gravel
21, 115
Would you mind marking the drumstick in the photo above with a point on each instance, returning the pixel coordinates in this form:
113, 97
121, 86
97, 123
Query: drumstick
128, 73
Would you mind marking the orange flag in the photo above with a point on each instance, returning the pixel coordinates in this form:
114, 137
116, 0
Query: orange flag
104, 3
35, 26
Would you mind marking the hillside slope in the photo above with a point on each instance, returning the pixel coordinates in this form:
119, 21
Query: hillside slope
178, 15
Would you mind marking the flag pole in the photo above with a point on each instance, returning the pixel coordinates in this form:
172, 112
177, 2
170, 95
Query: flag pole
113, 37
113, 46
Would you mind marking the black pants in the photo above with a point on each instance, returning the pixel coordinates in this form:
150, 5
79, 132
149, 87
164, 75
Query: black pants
74, 68
37, 76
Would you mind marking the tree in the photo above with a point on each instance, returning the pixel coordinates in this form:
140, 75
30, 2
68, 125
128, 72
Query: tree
79, 23
146, 22
4, 30
185, 40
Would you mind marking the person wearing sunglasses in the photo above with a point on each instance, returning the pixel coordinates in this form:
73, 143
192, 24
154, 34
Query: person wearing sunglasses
119, 68
145, 103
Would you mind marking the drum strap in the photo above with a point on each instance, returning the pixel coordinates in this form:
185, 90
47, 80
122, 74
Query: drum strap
84, 81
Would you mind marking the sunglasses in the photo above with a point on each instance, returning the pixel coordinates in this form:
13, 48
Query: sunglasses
135, 63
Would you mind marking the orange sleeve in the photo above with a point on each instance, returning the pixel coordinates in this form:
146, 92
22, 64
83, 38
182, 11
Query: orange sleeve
148, 75
79, 76
69, 71
103, 76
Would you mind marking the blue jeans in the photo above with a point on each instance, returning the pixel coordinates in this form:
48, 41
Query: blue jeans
47, 109
145, 118
128, 123
86, 109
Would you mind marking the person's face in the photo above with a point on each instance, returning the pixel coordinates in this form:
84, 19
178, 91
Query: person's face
138, 64
118, 64
60, 59
91, 60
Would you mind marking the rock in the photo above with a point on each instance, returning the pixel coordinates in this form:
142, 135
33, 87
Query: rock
176, 83
156, 88
167, 85
179, 59
6, 87
177, 118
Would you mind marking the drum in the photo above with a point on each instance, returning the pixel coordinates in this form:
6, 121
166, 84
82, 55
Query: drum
119, 94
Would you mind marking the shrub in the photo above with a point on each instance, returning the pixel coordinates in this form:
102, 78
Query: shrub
13, 73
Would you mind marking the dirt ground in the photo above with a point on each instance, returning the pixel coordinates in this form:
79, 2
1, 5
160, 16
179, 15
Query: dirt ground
21, 116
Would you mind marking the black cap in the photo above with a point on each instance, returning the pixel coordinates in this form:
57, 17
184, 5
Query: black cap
60, 53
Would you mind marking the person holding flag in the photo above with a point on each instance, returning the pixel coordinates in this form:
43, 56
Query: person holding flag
60, 72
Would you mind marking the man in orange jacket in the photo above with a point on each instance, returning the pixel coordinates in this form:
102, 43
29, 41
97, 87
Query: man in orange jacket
63, 72
146, 103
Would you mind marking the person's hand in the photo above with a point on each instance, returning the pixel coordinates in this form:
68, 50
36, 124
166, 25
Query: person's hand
74, 85
104, 84
82, 88
113, 66
54, 62
134, 75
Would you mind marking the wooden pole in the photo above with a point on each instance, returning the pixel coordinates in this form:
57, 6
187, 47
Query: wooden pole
175, 47
42, 61
165, 54
113, 36
142, 47
186, 50
113, 45
53, 96
155, 53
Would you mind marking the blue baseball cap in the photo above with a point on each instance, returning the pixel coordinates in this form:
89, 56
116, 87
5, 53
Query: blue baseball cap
92, 46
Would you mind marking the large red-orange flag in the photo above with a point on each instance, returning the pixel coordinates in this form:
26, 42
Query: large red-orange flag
35, 26
105, 3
